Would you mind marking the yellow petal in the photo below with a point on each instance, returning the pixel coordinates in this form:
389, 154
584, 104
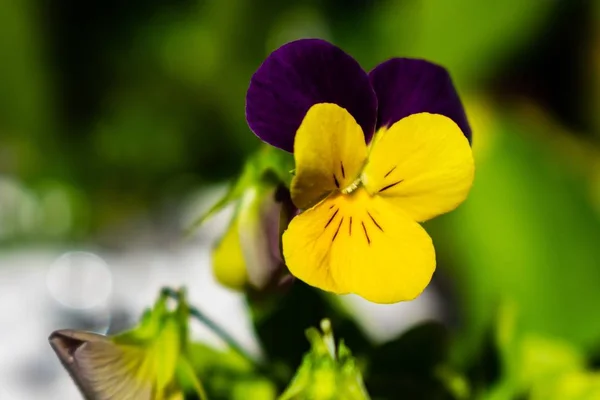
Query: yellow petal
329, 150
229, 266
423, 164
362, 244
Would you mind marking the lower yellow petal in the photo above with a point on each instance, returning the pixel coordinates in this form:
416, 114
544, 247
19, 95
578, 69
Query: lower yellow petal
423, 164
362, 244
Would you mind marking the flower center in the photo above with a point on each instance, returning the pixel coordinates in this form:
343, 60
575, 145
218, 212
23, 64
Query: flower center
353, 186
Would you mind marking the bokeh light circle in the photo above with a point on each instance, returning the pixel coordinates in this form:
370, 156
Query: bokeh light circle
79, 280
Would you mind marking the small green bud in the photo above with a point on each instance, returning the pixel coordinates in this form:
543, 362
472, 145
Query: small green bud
147, 360
326, 372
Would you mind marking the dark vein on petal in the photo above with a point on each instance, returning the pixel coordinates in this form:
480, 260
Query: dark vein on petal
390, 171
390, 186
375, 222
332, 217
337, 184
337, 230
343, 173
366, 234
350, 227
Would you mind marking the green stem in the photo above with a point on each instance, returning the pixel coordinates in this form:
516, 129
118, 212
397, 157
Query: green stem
220, 332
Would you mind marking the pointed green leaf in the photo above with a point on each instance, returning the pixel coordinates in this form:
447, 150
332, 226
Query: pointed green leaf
267, 165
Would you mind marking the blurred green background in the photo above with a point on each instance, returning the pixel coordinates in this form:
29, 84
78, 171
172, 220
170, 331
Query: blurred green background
113, 111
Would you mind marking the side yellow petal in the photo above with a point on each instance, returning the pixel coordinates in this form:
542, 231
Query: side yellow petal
362, 244
329, 150
423, 164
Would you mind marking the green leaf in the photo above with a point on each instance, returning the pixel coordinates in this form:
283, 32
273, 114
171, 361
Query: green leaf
532, 363
204, 358
26, 105
151, 323
255, 389
234, 192
268, 166
527, 233
569, 386
227, 375
188, 380
468, 37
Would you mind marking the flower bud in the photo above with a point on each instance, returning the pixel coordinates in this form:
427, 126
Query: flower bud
326, 372
149, 360
249, 254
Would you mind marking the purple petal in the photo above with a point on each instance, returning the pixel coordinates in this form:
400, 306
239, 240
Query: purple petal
407, 86
299, 75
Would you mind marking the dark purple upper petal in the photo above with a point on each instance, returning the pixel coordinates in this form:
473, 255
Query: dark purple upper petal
299, 75
407, 86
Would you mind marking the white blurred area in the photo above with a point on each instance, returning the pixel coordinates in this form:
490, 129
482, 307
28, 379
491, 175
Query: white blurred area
105, 289
101, 289
37, 296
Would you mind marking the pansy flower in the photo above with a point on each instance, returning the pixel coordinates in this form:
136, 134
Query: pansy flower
375, 154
